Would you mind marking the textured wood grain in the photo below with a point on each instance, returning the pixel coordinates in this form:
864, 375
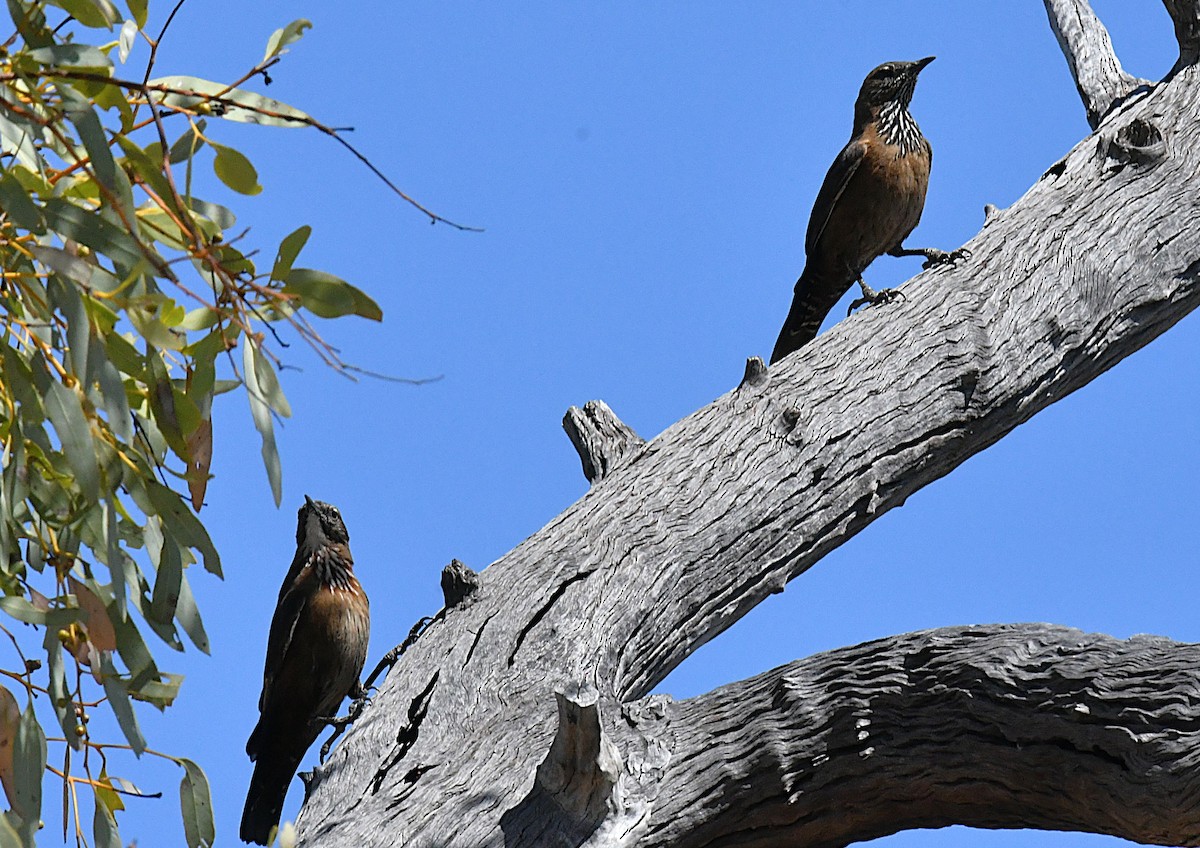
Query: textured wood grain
602, 440
1000, 727
1085, 43
721, 510
1186, 16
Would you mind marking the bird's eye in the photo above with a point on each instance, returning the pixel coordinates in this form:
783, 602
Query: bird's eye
887, 71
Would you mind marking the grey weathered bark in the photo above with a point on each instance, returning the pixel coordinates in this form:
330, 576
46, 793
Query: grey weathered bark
1101, 81
521, 718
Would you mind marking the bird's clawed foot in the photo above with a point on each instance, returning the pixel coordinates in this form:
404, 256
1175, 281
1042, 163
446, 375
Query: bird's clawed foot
935, 258
358, 703
873, 298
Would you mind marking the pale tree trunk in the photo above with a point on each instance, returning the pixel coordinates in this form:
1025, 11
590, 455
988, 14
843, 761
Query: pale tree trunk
521, 718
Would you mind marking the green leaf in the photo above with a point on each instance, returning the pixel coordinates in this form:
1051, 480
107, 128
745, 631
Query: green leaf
281, 38
187, 144
86, 227
115, 558
71, 56
16, 139
289, 249
73, 268
9, 838
196, 803
29, 766
118, 700
215, 212
22, 610
60, 695
104, 824
97, 14
261, 414
65, 297
169, 565
137, 8
66, 414
159, 693
15, 201
328, 296
116, 404
188, 616
235, 170
233, 104
183, 524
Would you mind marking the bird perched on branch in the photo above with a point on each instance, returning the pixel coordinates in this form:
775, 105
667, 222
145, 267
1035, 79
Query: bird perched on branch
315, 654
870, 201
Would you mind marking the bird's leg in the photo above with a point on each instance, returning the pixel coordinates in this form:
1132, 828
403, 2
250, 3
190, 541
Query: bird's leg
933, 256
360, 692
339, 724
872, 297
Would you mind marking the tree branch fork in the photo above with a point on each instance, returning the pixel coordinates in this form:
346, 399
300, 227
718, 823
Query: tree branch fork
522, 717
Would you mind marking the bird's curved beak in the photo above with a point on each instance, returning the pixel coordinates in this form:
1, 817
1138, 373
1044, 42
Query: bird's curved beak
309, 502
920, 64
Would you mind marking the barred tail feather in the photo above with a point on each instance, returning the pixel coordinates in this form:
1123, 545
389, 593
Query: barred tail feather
811, 303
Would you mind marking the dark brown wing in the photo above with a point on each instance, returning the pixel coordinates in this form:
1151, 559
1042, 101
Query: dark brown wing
283, 625
836, 180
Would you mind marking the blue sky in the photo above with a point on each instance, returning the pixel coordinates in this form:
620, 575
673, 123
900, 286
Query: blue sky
644, 174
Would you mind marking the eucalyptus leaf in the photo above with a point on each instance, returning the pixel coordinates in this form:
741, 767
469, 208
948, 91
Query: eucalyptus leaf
280, 39
195, 800
260, 412
71, 55
75, 433
234, 104
93, 13
118, 701
235, 170
104, 826
29, 766
289, 249
328, 296
15, 201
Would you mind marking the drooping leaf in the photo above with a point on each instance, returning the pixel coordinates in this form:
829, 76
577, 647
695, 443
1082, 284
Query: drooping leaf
104, 824
115, 560
10, 718
65, 413
199, 461
281, 38
195, 800
95, 616
29, 765
15, 201
118, 701
182, 524
16, 139
60, 695
188, 616
260, 412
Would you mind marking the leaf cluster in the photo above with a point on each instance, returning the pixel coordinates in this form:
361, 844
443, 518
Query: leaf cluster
124, 301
